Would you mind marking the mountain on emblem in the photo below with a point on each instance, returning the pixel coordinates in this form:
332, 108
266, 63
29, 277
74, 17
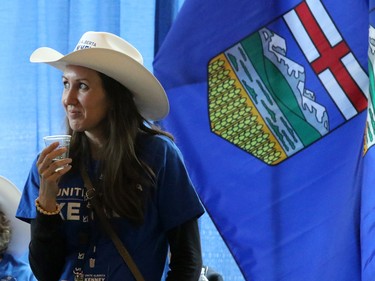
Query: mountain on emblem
258, 100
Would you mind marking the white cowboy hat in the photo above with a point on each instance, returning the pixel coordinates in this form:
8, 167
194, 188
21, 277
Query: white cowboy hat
116, 58
9, 199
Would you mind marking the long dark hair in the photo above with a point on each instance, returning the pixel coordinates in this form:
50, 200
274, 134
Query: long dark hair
127, 180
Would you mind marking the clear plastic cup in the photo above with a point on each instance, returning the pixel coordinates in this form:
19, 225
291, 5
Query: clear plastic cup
63, 140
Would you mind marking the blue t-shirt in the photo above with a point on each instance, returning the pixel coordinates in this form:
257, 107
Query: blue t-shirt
12, 269
174, 202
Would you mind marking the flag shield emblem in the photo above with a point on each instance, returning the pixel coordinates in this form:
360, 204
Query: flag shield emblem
259, 97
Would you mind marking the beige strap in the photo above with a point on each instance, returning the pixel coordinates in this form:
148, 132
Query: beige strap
91, 195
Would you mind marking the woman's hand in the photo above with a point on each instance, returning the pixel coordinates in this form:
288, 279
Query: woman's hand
50, 171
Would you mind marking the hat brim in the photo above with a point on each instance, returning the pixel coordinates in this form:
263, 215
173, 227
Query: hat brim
149, 96
9, 200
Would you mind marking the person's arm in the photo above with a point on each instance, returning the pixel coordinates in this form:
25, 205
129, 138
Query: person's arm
186, 257
47, 247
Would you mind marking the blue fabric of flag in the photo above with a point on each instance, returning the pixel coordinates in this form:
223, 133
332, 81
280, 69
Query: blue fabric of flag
368, 192
268, 104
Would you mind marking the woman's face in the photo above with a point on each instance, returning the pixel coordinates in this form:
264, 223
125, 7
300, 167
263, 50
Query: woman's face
84, 99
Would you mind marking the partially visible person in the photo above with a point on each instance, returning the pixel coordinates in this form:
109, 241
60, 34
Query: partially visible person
13, 237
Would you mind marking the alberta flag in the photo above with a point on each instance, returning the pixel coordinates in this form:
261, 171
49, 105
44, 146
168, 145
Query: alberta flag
268, 104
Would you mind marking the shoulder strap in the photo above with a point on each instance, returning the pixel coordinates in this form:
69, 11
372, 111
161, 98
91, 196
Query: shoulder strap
91, 195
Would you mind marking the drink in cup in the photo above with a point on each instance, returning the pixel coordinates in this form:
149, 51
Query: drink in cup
63, 140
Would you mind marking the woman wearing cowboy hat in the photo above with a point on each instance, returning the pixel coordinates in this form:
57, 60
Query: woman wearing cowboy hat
138, 174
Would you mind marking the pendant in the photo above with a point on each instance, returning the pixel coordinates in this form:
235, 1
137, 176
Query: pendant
92, 263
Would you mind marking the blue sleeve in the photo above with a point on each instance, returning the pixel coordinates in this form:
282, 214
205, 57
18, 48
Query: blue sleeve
26, 208
15, 269
177, 200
